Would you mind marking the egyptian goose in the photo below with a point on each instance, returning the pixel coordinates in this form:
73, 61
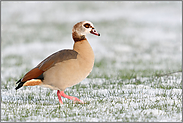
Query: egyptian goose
64, 68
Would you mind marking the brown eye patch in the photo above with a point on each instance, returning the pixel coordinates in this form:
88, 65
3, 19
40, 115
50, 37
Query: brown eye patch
87, 25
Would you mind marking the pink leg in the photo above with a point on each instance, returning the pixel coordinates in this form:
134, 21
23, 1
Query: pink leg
59, 97
61, 93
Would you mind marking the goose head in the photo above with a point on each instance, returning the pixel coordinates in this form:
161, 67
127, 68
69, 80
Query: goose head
82, 28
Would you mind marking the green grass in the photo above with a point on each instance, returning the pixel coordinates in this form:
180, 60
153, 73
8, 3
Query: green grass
126, 95
131, 55
134, 94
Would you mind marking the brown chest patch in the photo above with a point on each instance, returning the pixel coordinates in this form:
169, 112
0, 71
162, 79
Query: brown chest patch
77, 38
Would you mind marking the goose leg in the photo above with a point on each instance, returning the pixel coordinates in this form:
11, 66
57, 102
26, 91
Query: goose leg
59, 97
61, 93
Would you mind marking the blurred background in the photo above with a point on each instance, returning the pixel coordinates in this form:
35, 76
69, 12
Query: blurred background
138, 39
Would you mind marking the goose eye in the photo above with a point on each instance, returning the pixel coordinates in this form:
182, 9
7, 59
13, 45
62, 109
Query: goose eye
87, 25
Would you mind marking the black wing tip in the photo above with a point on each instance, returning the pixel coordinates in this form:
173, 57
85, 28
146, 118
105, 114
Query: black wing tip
17, 88
19, 85
18, 81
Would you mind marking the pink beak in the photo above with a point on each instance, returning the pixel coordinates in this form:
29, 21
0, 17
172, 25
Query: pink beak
93, 31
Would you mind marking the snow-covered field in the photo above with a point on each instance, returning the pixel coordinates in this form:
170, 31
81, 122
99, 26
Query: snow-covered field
139, 41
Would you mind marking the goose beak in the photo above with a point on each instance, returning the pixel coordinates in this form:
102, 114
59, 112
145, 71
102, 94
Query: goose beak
93, 31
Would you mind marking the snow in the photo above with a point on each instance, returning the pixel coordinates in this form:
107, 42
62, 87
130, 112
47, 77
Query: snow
134, 36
